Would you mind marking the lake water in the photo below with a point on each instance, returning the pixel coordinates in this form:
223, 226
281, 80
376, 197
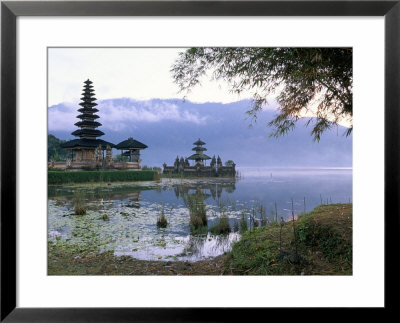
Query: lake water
131, 209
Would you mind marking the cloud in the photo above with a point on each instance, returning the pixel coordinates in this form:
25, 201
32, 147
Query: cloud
62, 116
122, 114
140, 73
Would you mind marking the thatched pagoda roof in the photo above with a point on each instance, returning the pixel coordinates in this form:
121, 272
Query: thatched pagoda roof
87, 90
199, 157
89, 132
130, 143
87, 143
88, 98
199, 149
199, 142
87, 123
88, 110
88, 116
84, 104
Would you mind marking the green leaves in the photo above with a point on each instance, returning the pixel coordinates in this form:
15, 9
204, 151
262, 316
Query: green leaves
317, 79
54, 150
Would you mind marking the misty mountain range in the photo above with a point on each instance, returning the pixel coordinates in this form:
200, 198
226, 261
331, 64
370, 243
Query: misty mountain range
169, 128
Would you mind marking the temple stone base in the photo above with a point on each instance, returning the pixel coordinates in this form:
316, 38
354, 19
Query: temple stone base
201, 171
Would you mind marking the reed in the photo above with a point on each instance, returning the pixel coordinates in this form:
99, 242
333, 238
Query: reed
162, 221
222, 226
243, 223
79, 197
197, 211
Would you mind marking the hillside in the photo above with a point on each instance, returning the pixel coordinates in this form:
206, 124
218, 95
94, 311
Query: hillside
54, 149
169, 127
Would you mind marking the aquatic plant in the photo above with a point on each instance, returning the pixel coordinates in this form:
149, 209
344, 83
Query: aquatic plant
253, 218
80, 208
280, 233
197, 211
59, 202
243, 223
294, 230
264, 221
162, 219
235, 226
222, 227
263, 215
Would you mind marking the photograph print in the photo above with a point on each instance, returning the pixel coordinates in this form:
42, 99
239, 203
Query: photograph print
200, 161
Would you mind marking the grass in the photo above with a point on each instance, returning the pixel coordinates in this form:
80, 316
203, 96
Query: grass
198, 213
162, 219
324, 238
222, 226
235, 225
65, 177
243, 223
79, 197
323, 242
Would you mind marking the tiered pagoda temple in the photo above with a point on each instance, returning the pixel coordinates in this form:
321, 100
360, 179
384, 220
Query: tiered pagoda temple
216, 169
199, 157
90, 152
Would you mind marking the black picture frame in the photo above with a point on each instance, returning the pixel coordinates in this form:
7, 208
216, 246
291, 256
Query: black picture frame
10, 10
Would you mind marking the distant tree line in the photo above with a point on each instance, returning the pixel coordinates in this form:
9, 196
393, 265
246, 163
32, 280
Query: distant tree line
54, 150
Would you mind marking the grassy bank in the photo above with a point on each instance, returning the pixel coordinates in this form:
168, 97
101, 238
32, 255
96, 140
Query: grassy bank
317, 243
57, 177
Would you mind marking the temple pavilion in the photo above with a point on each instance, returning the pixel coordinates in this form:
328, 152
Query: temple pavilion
199, 157
132, 149
216, 169
88, 151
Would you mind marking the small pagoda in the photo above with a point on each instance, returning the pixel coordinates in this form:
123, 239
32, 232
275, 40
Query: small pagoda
131, 148
199, 157
88, 150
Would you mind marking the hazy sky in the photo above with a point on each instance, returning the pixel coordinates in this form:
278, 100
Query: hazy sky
138, 73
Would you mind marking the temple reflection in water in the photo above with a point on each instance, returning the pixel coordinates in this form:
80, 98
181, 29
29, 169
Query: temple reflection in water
212, 189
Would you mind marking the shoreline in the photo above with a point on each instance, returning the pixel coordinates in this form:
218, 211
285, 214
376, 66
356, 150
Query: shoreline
323, 247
